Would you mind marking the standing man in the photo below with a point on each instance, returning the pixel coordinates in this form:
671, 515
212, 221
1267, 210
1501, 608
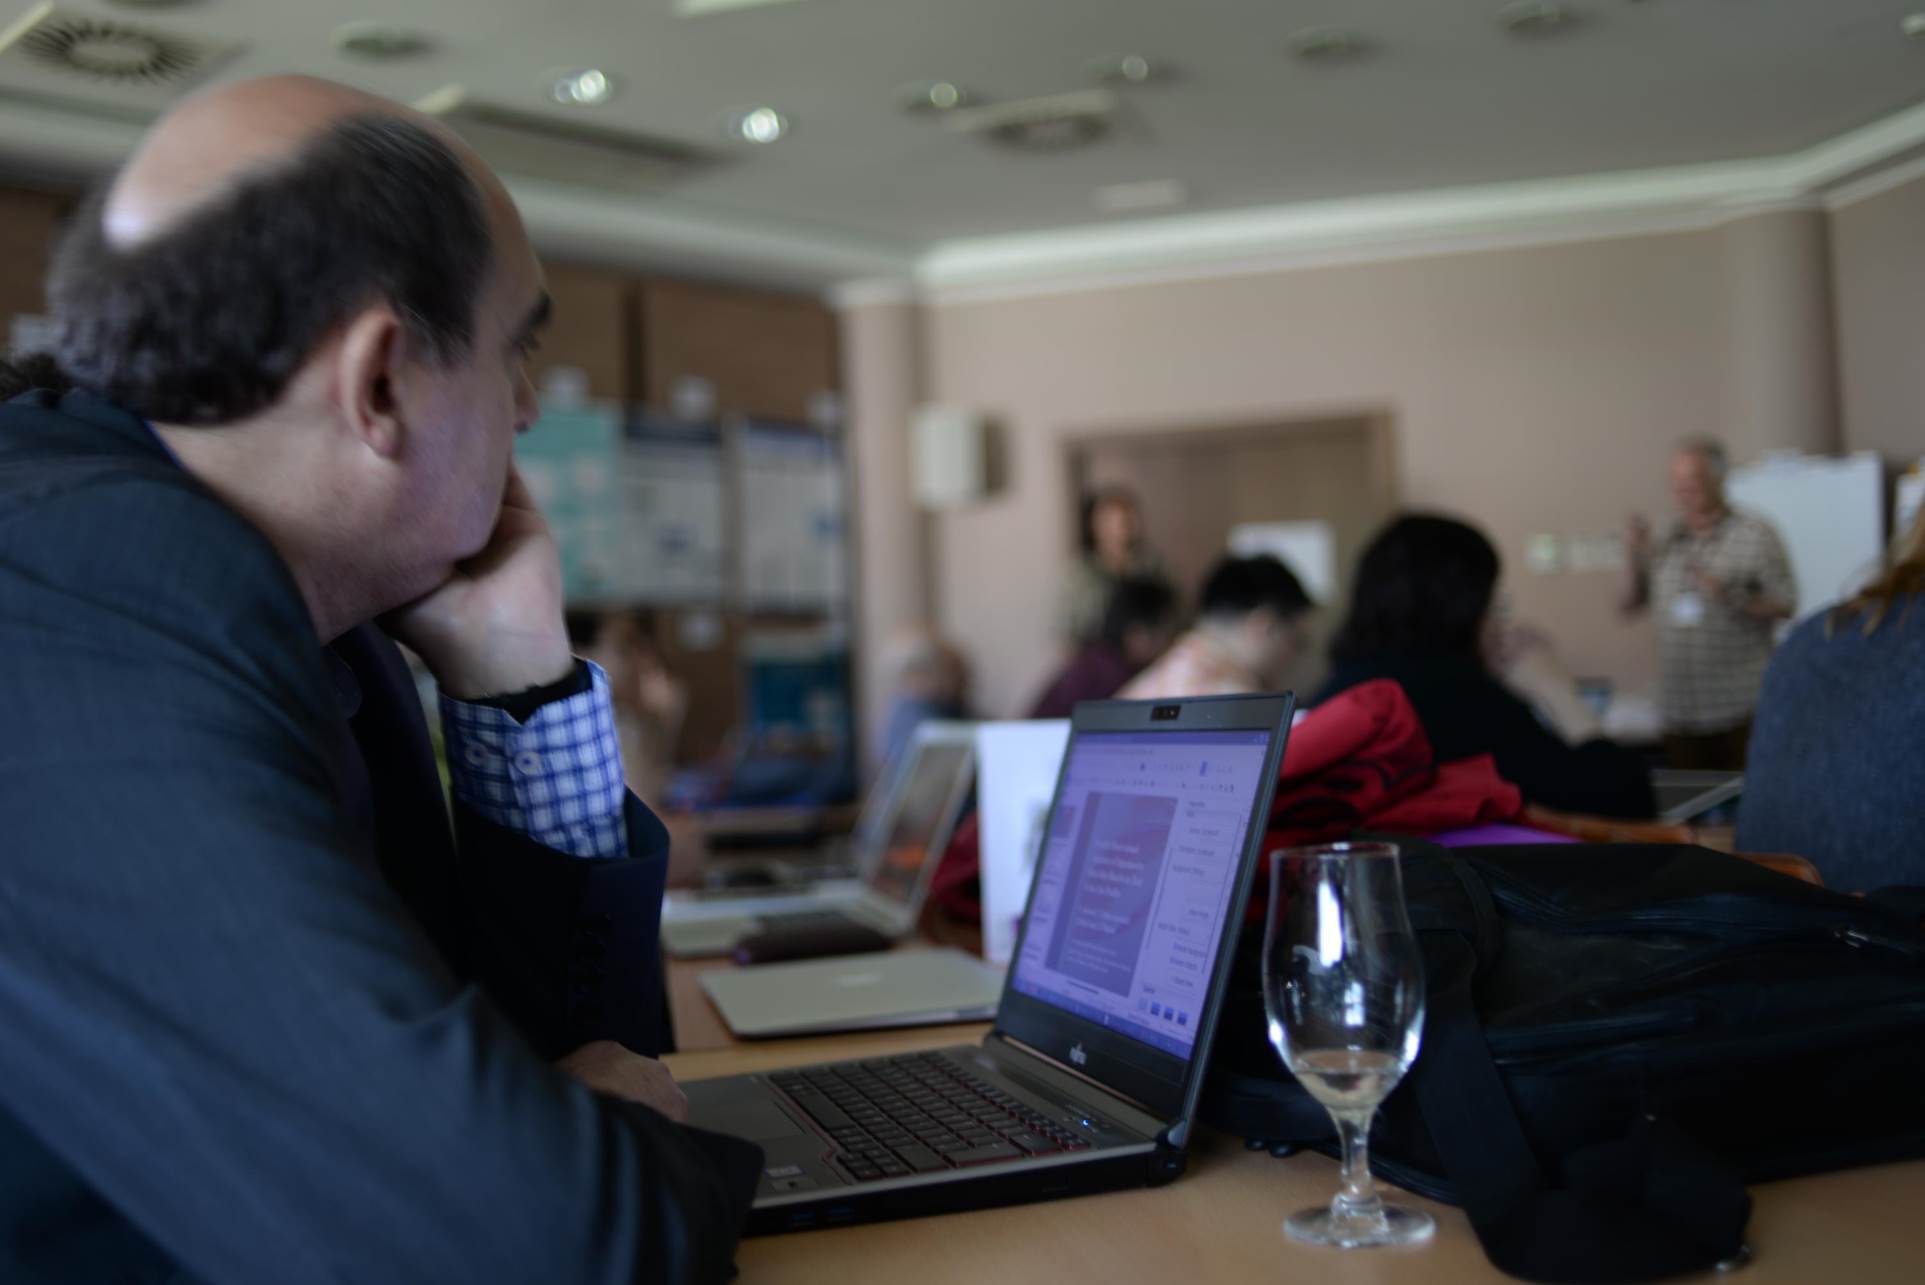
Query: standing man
1720, 583
264, 1014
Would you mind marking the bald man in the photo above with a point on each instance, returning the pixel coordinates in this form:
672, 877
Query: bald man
267, 1015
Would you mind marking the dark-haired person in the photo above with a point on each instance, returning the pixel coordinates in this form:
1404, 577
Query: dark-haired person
1136, 628
1112, 546
266, 1017
1248, 635
1421, 614
1841, 720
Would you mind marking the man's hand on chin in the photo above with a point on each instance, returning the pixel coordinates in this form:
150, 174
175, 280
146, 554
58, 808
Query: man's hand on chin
495, 627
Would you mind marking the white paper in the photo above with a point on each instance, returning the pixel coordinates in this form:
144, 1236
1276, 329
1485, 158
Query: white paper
793, 547
1829, 513
1017, 764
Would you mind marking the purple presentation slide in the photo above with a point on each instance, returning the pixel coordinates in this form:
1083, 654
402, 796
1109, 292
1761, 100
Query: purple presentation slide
1113, 875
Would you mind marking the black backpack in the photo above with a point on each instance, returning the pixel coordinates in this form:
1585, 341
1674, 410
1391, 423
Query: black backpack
1617, 1039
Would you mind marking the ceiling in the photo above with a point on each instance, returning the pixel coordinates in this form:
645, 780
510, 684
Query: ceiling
1446, 98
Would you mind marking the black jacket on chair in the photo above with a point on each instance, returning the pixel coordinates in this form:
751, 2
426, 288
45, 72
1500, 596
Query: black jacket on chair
264, 1014
1466, 711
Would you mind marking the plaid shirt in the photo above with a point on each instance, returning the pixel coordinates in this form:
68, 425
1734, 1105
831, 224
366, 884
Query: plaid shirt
556, 778
1711, 655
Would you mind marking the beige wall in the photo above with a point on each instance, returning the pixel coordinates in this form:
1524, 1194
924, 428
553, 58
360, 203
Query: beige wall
1532, 389
882, 376
1878, 261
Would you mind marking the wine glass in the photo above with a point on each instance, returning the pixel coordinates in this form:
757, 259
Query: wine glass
1344, 989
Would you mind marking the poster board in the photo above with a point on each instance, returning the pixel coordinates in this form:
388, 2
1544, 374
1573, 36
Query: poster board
1829, 512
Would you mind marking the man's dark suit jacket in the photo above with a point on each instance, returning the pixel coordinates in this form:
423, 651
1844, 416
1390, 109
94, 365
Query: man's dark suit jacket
263, 1017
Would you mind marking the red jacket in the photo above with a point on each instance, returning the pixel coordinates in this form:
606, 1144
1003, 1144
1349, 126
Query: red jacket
1359, 761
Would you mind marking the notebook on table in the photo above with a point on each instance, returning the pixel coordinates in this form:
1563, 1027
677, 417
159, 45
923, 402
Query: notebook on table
855, 993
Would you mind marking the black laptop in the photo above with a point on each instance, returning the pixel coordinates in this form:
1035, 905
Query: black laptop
1089, 1080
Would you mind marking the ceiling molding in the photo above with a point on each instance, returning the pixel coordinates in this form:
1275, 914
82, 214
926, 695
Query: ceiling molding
674, 235
669, 235
874, 292
1876, 183
1420, 224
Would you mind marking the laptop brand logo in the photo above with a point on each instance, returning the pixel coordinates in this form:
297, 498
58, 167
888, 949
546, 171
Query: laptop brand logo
1077, 1055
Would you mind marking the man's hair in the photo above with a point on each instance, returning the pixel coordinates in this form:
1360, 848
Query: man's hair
1423, 588
1709, 449
1239, 586
1136, 602
206, 322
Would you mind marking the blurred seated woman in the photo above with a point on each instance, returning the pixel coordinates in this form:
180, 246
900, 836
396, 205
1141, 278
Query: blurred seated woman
1421, 613
1138, 625
1839, 732
1114, 547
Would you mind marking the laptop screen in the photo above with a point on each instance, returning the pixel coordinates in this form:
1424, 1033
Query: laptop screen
1138, 870
925, 810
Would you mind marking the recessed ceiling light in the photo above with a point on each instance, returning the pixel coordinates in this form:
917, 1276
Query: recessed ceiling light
1128, 69
377, 41
759, 125
584, 87
1328, 45
1913, 25
934, 96
1537, 18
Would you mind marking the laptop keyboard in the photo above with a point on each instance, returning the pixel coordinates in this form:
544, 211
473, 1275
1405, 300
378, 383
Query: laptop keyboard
892, 1117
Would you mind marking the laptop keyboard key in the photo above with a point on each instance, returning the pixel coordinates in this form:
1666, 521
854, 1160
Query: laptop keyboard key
921, 1159
1033, 1143
824, 1112
988, 1153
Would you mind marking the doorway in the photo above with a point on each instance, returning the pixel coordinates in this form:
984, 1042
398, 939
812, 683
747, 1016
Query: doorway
1197, 485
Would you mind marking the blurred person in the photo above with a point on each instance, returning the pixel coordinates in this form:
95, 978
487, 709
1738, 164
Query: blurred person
1248, 636
1720, 583
1840, 722
268, 1015
1113, 546
1137, 627
1422, 614
929, 680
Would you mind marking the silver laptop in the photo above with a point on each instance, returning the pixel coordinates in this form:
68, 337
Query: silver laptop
1091, 1076
855, 993
898, 856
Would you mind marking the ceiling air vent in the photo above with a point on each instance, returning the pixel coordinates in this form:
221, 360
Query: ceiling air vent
542, 147
1057, 123
103, 62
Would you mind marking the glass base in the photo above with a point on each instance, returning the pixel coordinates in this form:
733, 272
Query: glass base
1391, 1225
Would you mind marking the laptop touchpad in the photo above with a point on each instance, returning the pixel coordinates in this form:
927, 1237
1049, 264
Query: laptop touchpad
739, 1108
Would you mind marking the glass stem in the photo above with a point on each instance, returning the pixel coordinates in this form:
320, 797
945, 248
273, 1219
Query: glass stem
1358, 1197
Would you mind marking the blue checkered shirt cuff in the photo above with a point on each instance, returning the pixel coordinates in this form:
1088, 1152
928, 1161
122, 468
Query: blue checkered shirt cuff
556, 778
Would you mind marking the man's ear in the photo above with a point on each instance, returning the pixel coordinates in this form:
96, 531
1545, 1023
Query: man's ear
367, 380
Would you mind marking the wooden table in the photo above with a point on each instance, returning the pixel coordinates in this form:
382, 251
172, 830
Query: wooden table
1222, 1221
